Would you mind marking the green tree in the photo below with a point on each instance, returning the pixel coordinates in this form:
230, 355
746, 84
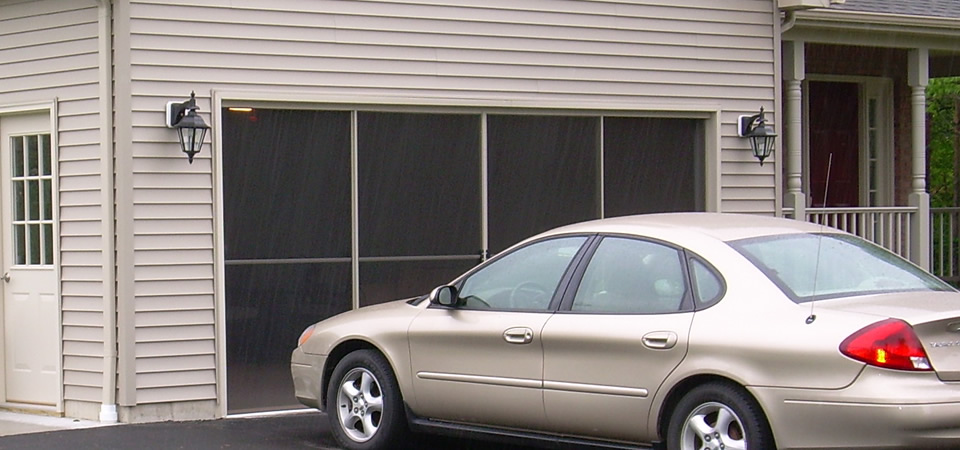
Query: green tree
943, 115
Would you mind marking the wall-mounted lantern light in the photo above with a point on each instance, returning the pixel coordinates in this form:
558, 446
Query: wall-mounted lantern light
762, 138
190, 126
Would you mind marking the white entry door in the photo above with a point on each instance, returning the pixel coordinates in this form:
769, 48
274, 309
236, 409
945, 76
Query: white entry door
31, 334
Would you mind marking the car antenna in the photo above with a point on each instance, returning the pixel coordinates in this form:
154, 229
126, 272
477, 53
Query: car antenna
816, 270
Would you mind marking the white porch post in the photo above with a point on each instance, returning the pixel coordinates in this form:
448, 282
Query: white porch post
793, 74
919, 75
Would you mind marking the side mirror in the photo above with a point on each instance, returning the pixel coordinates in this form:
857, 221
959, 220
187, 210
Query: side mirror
444, 296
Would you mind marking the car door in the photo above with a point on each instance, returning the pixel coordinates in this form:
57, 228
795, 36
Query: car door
481, 361
617, 337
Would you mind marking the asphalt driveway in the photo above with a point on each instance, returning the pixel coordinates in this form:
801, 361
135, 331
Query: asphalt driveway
307, 430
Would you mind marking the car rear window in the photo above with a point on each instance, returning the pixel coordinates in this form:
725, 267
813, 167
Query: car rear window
816, 266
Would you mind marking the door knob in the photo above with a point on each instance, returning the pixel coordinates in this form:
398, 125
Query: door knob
6, 277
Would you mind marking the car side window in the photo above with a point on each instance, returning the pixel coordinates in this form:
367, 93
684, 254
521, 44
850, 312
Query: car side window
632, 276
525, 279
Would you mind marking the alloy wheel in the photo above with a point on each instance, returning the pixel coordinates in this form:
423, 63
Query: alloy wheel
713, 426
360, 404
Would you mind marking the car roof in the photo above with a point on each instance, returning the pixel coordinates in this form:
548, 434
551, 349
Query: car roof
721, 226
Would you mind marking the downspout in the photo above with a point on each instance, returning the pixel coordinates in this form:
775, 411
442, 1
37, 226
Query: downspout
108, 405
789, 20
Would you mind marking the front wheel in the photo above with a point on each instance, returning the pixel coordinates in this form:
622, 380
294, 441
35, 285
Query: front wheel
718, 416
364, 404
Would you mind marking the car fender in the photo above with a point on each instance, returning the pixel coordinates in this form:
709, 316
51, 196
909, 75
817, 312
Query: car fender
788, 353
383, 327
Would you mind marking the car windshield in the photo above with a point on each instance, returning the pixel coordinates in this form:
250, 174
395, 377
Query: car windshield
818, 266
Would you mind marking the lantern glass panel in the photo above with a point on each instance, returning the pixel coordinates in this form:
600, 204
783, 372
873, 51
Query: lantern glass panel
191, 139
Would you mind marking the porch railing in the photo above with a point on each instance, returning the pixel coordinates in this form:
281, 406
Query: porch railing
945, 244
889, 227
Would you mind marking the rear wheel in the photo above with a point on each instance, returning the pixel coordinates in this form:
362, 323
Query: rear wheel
718, 416
364, 404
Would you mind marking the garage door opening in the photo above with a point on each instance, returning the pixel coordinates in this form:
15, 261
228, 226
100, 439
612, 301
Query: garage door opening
328, 210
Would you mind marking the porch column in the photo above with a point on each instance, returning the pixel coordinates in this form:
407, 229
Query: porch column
919, 75
794, 71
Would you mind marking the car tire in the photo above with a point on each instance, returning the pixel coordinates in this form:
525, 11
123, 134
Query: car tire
364, 405
718, 415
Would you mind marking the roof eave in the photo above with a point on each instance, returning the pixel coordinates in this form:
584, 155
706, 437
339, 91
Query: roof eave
875, 29
875, 21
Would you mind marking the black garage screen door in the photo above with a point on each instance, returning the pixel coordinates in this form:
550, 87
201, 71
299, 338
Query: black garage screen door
288, 205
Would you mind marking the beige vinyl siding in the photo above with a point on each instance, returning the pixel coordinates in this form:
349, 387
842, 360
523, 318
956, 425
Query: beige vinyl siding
651, 56
689, 52
48, 51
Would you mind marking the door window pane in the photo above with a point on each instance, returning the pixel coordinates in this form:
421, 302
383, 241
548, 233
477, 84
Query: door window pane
33, 236
632, 276
47, 200
17, 144
525, 279
20, 238
47, 244
18, 200
33, 156
45, 155
543, 173
33, 193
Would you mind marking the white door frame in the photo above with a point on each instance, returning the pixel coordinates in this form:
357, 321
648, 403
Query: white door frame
876, 142
49, 108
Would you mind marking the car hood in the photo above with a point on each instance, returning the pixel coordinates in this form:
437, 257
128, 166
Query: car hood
382, 324
935, 317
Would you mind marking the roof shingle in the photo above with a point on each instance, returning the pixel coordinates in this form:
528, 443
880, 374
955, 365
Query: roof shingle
928, 8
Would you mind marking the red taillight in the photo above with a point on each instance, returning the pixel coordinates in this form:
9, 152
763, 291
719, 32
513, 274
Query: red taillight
891, 344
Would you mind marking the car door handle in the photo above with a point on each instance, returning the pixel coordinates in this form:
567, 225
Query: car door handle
518, 335
660, 340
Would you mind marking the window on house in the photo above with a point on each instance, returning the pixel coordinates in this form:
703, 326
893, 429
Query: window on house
32, 180
876, 164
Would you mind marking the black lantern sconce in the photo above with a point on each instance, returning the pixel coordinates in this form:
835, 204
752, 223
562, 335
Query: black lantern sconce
190, 126
762, 138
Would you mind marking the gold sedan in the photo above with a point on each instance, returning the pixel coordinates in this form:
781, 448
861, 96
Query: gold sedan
693, 331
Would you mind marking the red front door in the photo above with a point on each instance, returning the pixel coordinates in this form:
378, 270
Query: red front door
834, 129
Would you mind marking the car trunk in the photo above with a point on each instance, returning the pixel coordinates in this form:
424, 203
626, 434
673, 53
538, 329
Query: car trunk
935, 317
